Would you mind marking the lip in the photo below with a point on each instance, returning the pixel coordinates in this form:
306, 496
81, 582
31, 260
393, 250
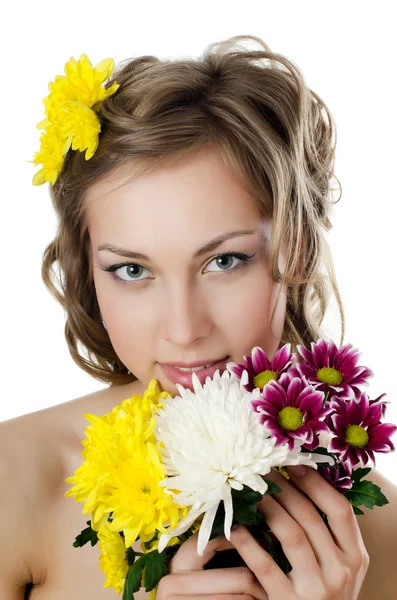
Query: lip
190, 365
185, 379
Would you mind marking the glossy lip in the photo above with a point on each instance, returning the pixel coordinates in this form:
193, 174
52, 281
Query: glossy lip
185, 378
189, 365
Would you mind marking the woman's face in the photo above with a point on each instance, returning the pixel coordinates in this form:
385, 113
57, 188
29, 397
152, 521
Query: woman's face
178, 304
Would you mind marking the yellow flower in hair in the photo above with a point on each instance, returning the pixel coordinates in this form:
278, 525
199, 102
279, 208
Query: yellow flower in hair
50, 155
72, 117
80, 127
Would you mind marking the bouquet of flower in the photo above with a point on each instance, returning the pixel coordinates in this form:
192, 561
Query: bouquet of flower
159, 468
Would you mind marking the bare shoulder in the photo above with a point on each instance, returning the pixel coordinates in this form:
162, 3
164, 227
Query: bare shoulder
378, 529
37, 451
42, 439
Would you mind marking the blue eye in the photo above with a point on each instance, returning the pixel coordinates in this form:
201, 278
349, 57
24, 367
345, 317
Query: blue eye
134, 268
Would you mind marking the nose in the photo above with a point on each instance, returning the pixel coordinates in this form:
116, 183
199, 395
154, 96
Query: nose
186, 315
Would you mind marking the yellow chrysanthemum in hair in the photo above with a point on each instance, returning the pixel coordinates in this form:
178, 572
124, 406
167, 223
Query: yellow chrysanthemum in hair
113, 559
70, 110
52, 151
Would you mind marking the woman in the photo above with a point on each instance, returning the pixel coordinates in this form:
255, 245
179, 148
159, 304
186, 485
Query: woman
193, 232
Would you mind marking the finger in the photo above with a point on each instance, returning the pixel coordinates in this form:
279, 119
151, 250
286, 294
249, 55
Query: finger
341, 518
232, 580
303, 511
187, 559
292, 537
266, 570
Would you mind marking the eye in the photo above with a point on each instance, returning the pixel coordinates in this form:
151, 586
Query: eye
134, 270
227, 257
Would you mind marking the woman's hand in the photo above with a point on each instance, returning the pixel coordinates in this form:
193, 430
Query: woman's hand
188, 580
324, 566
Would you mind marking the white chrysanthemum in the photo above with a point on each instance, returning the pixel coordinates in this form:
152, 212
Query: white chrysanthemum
213, 442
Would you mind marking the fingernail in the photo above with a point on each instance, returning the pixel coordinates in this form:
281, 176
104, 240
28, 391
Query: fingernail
296, 470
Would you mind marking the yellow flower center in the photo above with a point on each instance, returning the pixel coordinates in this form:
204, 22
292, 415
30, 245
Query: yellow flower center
146, 489
329, 375
356, 436
263, 378
290, 418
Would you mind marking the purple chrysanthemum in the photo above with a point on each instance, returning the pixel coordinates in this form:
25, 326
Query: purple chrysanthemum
260, 369
332, 369
291, 409
358, 429
339, 476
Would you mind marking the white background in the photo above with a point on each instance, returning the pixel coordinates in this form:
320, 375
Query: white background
348, 56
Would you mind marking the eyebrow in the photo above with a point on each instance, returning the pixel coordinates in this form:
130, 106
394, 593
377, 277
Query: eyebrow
211, 245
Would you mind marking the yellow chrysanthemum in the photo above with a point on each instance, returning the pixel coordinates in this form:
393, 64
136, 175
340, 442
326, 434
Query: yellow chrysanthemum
122, 468
114, 556
82, 82
50, 155
110, 439
113, 559
70, 109
139, 505
79, 126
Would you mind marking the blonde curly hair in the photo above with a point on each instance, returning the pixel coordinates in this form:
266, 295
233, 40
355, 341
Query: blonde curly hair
269, 127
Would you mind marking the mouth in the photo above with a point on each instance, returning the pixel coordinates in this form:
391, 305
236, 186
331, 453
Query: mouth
184, 376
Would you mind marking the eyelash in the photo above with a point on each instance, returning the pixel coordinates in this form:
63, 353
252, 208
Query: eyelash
245, 258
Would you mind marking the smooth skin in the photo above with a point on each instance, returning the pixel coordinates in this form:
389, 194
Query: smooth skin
324, 566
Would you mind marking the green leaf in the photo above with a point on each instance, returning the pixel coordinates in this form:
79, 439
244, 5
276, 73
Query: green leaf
360, 473
245, 514
87, 535
155, 569
134, 577
273, 488
357, 511
367, 494
246, 495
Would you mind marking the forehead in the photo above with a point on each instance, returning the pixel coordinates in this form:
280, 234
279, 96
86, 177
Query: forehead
200, 195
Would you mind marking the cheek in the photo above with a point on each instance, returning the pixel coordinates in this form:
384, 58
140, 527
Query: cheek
128, 322
130, 334
121, 310
249, 309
